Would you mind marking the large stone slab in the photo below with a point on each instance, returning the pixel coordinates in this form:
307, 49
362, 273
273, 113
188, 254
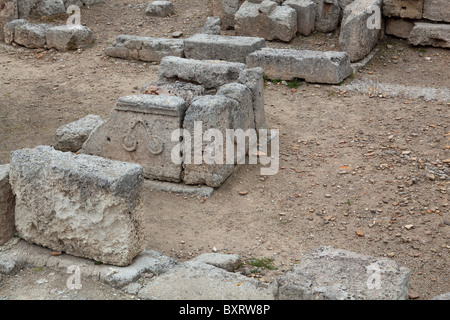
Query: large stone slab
313, 66
7, 203
436, 10
411, 9
335, 274
139, 130
71, 136
327, 15
145, 48
199, 281
79, 204
430, 34
31, 35
209, 73
306, 15
356, 38
64, 38
216, 47
225, 10
267, 20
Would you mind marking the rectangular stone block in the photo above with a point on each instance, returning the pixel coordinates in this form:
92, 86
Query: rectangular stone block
430, 34
399, 27
7, 203
328, 13
306, 15
31, 35
8, 12
78, 204
145, 48
436, 10
139, 130
216, 47
209, 73
411, 9
313, 66
64, 38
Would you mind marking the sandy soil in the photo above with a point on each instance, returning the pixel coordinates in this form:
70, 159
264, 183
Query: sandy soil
349, 162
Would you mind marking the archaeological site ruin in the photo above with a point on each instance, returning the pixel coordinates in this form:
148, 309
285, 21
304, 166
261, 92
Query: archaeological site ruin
136, 140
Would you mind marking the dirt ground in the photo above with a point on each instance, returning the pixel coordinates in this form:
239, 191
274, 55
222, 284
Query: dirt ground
349, 162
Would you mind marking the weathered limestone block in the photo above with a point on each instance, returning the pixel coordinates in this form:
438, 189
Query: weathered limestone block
199, 281
225, 10
209, 73
399, 27
430, 34
145, 48
79, 204
436, 10
327, 15
48, 8
7, 202
216, 47
211, 26
266, 20
8, 12
306, 15
185, 90
210, 112
411, 9
254, 79
334, 274
64, 38
31, 35
160, 9
313, 66
356, 38
71, 136
9, 29
139, 130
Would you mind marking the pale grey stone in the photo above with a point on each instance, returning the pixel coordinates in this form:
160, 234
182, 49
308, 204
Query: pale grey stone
10, 27
327, 15
48, 7
243, 95
211, 26
228, 262
185, 90
8, 12
199, 281
306, 15
225, 10
64, 38
70, 137
313, 66
335, 274
216, 47
411, 9
79, 204
139, 130
444, 296
31, 35
436, 10
178, 188
430, 34
160, 9
7, 204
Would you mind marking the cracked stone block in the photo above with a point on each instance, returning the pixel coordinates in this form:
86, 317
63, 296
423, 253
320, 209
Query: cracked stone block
64, 38
335, 274
139, 130
266, 20
216, 47
31, 35
7, 203
355, 37
411, 9
160, 9
306, 15
436, 10
313, 66
327, 15
9, 29
145, 48
225, 10
71, 136
430, 34
78, 204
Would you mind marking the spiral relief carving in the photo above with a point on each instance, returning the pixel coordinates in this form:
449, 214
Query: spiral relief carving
155, 144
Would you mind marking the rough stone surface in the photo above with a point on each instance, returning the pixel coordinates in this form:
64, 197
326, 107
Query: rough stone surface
200, 281
436, 10
64, 38
306, 15
48, 7
185, 90
355, 37
139, 130
8, 12
218, 113
411, 9
327, 15
70, 137
211, 26
399, 27
444, 296
7, 202
314, 66
225, 10
228, 262
334, 274
145, 48
266, 20
160, 9
209, 73
78, 204
31, 35
178, 188
430, 34
10, 27
216, 47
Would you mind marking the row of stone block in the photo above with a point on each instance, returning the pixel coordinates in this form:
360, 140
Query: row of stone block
435, 10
